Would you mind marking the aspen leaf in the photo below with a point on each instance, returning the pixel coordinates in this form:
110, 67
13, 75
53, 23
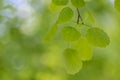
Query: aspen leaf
78, 3
84, 48
65, 15
98, 37
73, 63
70, 34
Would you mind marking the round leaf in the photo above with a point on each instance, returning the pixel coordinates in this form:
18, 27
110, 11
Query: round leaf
65, 15
98, 37
72, 61
70, 34
84, 48
54, 8
78, 3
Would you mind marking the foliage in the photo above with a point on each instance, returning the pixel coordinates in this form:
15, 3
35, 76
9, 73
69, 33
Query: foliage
60, 40
94, 36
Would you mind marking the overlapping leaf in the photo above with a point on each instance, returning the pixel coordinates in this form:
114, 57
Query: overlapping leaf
50, 35
72, 61
84, 48
70, 34
98, 37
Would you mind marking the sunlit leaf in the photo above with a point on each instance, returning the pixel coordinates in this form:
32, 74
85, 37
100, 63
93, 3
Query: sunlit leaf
83, 30
78, 3
54, 8
60, 2
98, 37
72, 61
117, 5
88, 16
84, 48
50, 35
91, 17
65, 15
70, 34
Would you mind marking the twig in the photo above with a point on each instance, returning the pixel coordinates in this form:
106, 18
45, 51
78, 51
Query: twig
79, 17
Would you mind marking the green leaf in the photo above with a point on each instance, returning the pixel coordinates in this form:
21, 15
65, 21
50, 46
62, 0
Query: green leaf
54, 8
50, 35
78, 3
98, 37
117, 5
65, 15
91, 17
73, 63
83, 30
60, 2
84, 48
70, 34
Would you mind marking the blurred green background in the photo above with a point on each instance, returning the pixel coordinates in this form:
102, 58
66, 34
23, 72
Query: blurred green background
25, 56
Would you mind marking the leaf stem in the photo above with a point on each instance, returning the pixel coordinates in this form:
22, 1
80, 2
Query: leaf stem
79, 17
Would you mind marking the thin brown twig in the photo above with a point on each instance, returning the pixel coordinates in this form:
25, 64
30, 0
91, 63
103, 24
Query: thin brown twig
79, 17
